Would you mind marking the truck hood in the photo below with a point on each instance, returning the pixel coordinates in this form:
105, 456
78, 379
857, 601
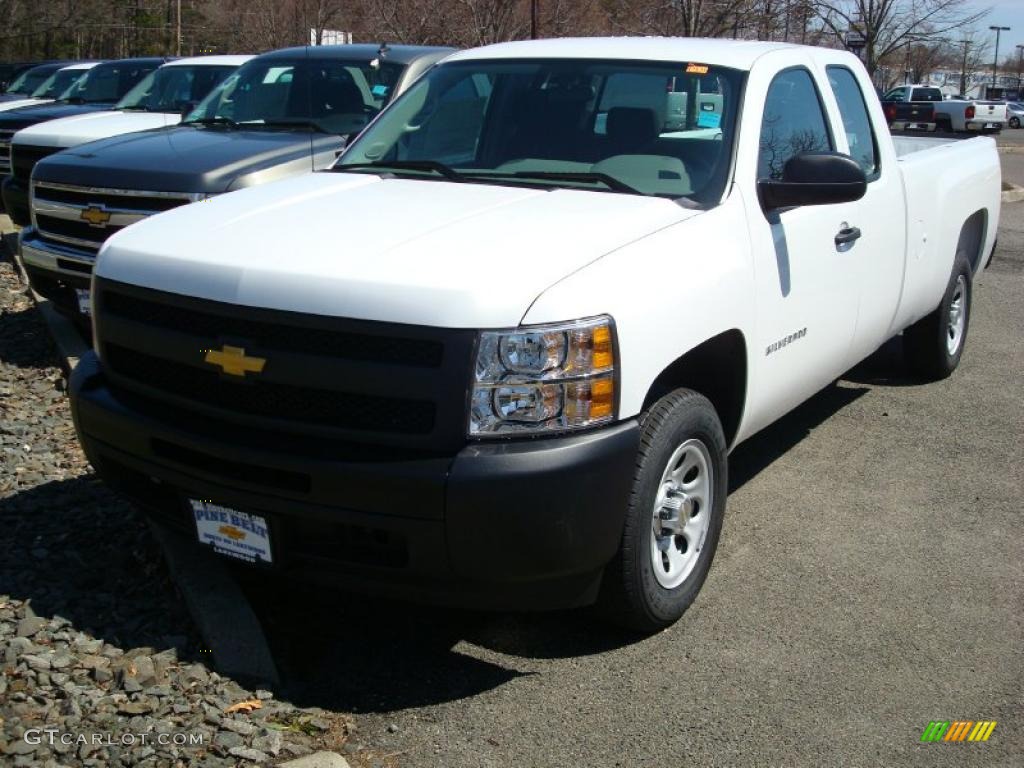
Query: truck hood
16, 119
19, 103
399, 250
180, 159
78, 129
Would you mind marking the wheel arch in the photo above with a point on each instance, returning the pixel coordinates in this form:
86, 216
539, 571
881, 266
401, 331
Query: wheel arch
717, 368
972, 238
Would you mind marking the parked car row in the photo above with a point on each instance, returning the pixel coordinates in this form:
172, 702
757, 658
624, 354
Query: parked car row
247, 120
497, 354
923, 108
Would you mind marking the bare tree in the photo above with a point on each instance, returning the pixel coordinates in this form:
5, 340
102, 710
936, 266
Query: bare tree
889, 25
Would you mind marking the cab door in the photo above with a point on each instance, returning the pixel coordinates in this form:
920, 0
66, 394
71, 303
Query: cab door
805, 280
879, 258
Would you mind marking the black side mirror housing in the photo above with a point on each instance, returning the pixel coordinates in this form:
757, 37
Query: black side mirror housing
814, 178
187, 107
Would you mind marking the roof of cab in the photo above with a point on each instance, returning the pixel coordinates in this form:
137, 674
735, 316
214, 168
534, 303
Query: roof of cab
212, 61
738, 54
400, 54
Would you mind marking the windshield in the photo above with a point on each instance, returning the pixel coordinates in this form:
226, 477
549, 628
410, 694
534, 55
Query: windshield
29, 80
661, 129
108, 82
334, 95
172, 88
57, 83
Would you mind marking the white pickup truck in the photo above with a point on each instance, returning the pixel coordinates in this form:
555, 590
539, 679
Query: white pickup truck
499, 353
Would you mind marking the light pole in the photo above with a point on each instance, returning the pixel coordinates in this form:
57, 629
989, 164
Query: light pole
995, 59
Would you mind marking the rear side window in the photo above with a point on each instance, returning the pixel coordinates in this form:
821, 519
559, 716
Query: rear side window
896, 94
794, 122
926, 94
856, 122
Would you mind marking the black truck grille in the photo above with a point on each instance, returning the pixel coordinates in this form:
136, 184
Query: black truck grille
356, 381
305, 405
59, 209
5, 152
24, 158
78, 230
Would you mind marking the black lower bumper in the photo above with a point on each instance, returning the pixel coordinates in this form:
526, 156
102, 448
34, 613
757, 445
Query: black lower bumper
15, 195
519, 524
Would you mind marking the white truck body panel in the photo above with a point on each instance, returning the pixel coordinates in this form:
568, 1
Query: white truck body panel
477, 256
986, 114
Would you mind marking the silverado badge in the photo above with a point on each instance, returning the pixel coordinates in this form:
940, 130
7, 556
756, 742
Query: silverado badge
96, 215
234, 361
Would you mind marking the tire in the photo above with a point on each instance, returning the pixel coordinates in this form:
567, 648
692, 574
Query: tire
1015, 122
934, 344
684, 429
944, 124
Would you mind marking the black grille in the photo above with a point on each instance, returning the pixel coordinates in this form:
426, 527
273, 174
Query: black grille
272, 399
275, 335
24, 158
79, 230
112, 202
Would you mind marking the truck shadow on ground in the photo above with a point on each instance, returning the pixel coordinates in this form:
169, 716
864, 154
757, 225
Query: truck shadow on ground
24, 340
76, 551
343, 653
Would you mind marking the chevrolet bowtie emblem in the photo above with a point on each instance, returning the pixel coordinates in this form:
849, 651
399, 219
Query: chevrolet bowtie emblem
96, 215
231, 532
234, 361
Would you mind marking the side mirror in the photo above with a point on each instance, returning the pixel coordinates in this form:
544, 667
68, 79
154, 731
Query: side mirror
814, 178
187, 107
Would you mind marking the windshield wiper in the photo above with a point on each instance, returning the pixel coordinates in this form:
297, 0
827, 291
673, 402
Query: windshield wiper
296, 123
212, 121
585, 176
408, 165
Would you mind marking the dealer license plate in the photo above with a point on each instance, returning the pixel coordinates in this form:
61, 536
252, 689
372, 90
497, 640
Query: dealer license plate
84, 305
241, 535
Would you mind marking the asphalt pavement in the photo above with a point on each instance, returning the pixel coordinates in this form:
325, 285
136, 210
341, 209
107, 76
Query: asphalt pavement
868, 582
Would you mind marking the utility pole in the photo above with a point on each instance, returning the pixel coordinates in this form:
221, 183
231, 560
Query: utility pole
534, 11
963, 69
178, 37
1020, 69
995, 58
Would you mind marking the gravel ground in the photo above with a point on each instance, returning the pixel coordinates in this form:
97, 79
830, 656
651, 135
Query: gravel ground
93, 638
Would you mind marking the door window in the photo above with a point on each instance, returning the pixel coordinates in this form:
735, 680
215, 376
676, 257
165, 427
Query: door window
794, 122
856, 122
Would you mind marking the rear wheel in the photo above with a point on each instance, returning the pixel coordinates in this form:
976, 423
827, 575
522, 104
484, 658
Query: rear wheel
944, 124
935, 343
674, 517
1015, 122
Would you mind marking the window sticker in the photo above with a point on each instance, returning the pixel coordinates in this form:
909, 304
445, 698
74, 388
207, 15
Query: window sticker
380, 90
709, 120
696, 69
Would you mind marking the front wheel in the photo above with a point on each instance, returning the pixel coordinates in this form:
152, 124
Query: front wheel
674, 517
934, 344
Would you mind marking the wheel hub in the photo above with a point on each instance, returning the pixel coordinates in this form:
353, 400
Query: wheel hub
681, 515
957, 316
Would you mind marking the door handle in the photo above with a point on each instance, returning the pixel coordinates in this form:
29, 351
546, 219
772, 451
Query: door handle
847, 235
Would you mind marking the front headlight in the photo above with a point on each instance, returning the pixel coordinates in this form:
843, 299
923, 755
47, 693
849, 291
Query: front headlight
544, 378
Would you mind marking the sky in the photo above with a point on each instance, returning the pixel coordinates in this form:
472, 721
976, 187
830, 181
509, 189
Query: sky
1005, 13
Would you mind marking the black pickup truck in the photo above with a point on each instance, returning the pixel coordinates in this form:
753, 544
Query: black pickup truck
911, 107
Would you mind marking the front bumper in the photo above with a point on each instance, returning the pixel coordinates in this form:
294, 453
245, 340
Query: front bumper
15, 195
510, 525
54, 272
